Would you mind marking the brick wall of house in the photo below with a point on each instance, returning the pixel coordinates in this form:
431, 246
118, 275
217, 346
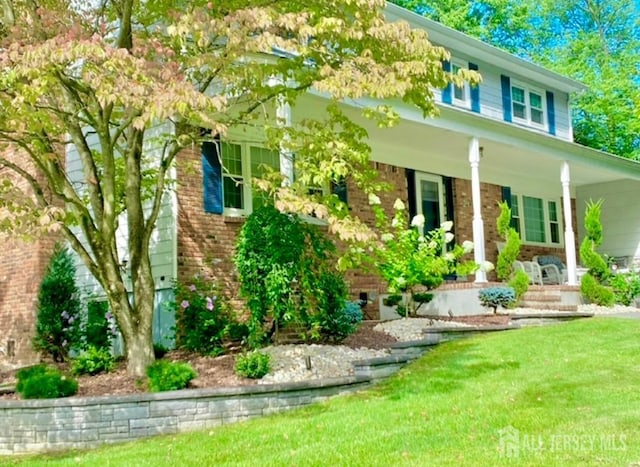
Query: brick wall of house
22, 266
206, 241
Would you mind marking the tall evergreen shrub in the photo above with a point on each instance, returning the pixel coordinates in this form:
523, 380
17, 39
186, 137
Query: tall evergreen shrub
58, 325
593, 283
518, 280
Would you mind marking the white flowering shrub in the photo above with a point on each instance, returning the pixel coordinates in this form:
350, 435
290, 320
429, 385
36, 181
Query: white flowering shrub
411, 261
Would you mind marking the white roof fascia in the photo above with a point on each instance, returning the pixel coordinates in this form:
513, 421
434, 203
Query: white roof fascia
451, 39
486, 127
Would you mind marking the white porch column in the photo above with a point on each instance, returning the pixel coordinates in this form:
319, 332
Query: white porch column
283, 115
569, 236
478, 225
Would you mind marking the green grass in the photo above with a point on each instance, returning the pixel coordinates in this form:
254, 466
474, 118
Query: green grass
573, 387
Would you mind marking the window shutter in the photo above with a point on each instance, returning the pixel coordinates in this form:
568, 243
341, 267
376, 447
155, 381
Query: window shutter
506, 97
475, 91
447, 182
551, 113
447, 92
212, 177
410, 174
506, 195
340, 189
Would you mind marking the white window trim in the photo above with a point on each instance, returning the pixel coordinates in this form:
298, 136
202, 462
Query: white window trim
547, 221
527, 104
419, 176
466, 103
247, 192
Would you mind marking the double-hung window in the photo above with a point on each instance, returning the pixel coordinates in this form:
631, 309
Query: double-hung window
528, 105
240, 163
460, 93
537, 220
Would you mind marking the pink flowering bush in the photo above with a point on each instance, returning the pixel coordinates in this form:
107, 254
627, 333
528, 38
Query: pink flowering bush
204, 320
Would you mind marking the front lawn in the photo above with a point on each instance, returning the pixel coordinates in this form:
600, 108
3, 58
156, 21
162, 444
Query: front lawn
558, 395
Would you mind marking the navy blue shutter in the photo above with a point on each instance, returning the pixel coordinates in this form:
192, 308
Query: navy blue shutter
506, 97
212, 177
506, 195
448, 196
551, 113
340, 189
410, 174
447, 92
475, 91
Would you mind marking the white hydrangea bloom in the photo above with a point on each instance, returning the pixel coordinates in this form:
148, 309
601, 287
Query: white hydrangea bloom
467, 246
449, 256
446, 226
374, 199
418, 221
448, 237
398, 205
386, 237
486, 266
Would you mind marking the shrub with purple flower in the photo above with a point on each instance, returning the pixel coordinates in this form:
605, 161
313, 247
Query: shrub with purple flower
58, 327
203, 320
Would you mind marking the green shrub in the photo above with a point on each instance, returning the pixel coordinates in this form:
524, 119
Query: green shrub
509, 253
597, 264
253, 365
342, 322
58, 324
422, 297
595, 292
42, 382
203, 317
287, 275
93, 361
493, 297
169, 376
519, 283
392, 300
626, 287
100, 327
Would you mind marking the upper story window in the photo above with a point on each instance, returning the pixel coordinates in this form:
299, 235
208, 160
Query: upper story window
528, 105
460, 93
463, 96
536, 220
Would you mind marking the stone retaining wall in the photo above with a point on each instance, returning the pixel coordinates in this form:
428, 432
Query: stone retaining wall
54, 424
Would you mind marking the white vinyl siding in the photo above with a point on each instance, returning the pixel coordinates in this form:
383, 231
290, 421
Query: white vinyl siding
620, 215
163, 241
491, 99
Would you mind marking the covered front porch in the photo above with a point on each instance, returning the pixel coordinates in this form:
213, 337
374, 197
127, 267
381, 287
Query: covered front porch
482, 161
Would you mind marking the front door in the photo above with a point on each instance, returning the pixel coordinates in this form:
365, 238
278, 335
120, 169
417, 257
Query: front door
429, 202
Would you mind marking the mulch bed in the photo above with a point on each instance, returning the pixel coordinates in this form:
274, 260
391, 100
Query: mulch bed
219, 371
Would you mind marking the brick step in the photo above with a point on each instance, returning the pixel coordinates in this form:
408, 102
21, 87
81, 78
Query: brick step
547, 306
541, 297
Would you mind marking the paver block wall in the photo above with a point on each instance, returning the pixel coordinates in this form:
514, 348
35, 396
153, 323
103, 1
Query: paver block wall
39, 425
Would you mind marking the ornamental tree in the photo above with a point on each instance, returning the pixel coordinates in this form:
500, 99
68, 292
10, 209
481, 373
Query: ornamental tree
102, 75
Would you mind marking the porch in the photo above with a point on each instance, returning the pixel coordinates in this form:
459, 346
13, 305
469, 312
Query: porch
461, 299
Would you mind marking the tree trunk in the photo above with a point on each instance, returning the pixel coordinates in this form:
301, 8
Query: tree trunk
135, 318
